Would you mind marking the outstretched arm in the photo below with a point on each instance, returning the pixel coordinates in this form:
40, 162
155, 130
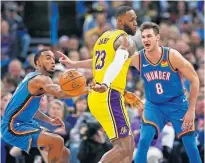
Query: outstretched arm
42, 116
45, 83
55, 121
186, 69
74, 64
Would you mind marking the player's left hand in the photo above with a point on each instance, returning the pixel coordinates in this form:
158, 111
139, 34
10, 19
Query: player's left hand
188, 120
133, 100
57, 121
98, 87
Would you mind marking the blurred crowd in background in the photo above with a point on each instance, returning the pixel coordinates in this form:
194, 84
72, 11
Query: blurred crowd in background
181, 27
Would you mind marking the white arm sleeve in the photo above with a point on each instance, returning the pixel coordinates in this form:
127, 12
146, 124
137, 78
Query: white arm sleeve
116, 66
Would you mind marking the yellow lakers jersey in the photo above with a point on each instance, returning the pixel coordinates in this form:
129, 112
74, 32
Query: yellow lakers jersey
103, 56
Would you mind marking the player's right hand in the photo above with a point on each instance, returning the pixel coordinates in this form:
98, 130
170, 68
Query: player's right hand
63, 59
134, 101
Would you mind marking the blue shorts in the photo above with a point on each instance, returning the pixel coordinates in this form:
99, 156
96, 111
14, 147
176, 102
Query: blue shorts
23, 135
159, 115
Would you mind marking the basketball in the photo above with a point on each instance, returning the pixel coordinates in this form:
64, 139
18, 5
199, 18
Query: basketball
72, 82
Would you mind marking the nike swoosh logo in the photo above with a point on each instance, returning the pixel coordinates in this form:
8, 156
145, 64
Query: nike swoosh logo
184, 100
145, 65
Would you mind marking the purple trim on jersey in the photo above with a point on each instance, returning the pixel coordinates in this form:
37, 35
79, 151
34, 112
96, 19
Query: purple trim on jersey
122, 124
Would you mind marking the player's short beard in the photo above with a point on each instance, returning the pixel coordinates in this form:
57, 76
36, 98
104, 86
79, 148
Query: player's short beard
51, 73
128, 30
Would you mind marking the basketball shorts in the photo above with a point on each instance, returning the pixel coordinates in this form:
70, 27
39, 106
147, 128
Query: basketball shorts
159, 115
23, 135
109, 109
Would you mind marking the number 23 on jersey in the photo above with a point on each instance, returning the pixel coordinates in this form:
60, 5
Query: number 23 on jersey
100, 59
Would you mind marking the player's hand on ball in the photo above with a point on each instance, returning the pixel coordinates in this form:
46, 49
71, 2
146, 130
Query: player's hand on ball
63, 59
133, 100
57, 121
188, 120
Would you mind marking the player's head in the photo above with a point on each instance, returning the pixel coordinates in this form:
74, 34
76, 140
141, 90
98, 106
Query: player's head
45, 61
126, 20
149, 35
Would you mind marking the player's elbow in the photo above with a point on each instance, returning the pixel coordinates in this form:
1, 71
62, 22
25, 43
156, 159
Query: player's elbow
195, 80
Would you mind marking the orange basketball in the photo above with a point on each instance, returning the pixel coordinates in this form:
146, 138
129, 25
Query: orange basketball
72, 82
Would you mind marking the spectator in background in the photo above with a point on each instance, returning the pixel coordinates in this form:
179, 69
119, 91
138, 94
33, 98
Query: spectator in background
101, 25
67, 44
64, 44
84, 53
97, 18
82, 120
73, 43
4, 101
6, 41
18, 29
195, 40
10, 83
90, 42
80, 107
74, 55
94, 144
5, 148
16, 70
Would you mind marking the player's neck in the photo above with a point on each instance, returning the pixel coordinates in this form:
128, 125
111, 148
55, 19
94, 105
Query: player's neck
155, 53
42, 71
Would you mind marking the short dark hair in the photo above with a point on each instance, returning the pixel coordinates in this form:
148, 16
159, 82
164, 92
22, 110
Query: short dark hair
122, 10
38, 54
150, 25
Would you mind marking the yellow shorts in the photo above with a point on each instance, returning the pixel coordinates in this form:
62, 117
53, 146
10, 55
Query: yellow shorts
109, 109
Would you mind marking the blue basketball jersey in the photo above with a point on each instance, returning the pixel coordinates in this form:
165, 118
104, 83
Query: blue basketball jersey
161, 82
23, 105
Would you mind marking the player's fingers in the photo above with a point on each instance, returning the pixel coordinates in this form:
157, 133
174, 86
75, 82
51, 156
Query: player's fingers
62, 124
190, 126
139, 106
184, 125
60, 54
132, 105
62, 61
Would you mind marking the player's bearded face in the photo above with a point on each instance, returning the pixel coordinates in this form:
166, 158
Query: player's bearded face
49, 70
128, 30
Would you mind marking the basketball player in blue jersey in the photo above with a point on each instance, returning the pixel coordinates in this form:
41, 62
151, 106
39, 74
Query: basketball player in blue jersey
161, 69
19, 128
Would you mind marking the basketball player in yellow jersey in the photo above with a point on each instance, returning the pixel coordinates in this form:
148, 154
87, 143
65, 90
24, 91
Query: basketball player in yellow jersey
110, 63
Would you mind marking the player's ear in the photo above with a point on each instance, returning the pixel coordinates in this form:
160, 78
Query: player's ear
38, 63
119, 20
